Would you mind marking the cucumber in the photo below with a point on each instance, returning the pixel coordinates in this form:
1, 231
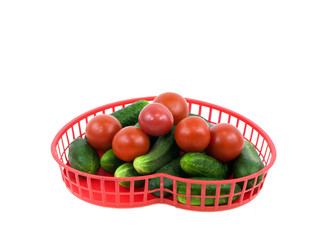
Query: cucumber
172, 168
196, 115
195, 189
83, 157
163, 151
110, 162
247, 163
128, 115
228, 166
127, 170
137, 125
198, 164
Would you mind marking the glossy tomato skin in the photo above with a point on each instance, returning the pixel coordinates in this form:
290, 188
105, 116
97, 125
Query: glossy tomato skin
226, 142
129, 143
155, 119
100, 131
192, 134
177, 105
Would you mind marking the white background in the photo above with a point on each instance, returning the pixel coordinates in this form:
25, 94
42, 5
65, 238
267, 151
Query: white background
59, 59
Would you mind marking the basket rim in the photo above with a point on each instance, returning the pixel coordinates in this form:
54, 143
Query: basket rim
144, 177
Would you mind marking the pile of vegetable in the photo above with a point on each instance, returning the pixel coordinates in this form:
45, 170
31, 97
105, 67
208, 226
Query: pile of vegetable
163, 137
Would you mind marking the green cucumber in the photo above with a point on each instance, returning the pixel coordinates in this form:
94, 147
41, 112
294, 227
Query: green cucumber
198, 164
137, 125
228, 166
128, 116
195, 189
172, 168
83, 157
127, 170
163, 151
196, 115
247, 163
110, 162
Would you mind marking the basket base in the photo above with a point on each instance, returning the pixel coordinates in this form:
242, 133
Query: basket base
104, 194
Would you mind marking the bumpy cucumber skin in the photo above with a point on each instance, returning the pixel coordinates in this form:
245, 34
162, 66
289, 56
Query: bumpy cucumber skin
210, 191
202, 165
247, 163
163, 151
110, 162
196, 115
128, 116
83, 157
172, 168
127, 170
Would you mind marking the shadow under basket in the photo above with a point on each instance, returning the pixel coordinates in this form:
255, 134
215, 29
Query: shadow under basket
104, 189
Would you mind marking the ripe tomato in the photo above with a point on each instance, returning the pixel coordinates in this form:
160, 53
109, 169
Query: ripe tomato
175, 103
192, 134
100, 131
226, 142
155, 119
129, 143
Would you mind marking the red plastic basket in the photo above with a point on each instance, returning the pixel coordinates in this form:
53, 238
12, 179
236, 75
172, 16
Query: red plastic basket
104, 189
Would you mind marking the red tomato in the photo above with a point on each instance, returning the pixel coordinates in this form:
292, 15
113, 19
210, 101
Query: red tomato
192, 134
177, 105
100, 131
226, 142
155, 119
129, 143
